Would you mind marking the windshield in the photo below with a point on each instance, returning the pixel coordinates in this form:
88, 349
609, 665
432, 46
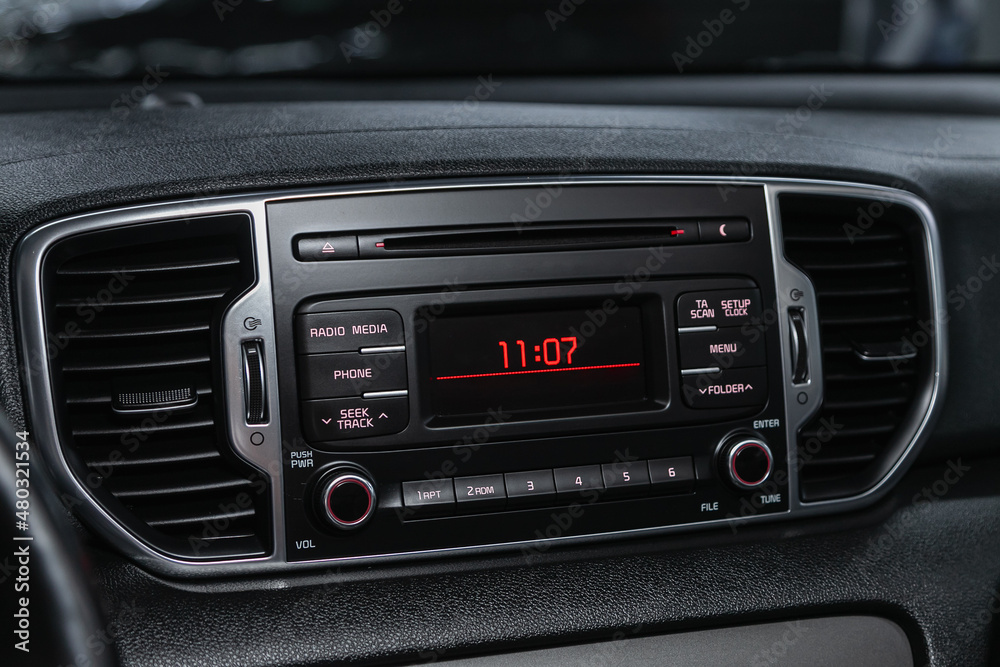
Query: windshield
114, 39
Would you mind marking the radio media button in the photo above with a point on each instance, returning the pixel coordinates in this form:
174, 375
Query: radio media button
530, 487
349, 331
625, 477
350, 374
674, 475
326, 248
429, 496
734, 388
349, 418
725, 348
573, 481
484, 492
721, 308
724, 231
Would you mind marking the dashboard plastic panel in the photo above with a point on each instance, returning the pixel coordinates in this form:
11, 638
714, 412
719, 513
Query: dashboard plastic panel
936, 574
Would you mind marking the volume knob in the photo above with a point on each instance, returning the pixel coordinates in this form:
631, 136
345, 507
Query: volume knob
748, 462
347, 500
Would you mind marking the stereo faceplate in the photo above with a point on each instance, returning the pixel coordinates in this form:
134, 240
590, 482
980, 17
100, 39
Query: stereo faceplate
504, 394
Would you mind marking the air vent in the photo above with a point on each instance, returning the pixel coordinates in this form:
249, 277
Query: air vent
133, 319
867, 262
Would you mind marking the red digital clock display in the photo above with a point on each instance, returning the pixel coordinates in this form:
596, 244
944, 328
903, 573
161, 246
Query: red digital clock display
536, 361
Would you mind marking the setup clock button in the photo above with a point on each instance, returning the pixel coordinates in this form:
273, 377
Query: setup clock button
721, 308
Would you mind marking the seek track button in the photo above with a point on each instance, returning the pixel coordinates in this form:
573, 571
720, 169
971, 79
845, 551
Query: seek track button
348, 418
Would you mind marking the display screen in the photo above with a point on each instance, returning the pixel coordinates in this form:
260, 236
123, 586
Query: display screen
536, 362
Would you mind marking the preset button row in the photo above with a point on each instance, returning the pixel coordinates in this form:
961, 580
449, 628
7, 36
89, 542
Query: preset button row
538, 487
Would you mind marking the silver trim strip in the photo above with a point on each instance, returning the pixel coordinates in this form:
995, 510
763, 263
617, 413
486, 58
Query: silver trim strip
386, 394
382, 350
701, 371
684, 330
258, 303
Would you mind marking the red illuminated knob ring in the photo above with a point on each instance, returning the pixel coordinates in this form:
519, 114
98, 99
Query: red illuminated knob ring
734, 474
336, 483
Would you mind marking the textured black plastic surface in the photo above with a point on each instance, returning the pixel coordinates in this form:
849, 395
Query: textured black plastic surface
839, 641
937, 570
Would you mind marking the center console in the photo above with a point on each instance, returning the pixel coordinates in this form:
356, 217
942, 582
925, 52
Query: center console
270, 380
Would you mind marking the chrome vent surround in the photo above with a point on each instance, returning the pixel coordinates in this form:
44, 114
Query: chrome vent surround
867, 261
139, 307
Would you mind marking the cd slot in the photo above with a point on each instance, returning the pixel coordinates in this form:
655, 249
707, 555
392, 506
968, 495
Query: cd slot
528, 238
520, 237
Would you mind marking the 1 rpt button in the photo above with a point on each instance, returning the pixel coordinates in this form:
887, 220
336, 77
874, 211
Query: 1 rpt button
429, 496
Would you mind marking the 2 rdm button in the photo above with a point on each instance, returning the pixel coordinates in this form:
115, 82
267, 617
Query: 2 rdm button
346, 418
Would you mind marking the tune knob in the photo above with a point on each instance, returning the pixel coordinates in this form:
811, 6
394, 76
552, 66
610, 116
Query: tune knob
347, 499
748, 461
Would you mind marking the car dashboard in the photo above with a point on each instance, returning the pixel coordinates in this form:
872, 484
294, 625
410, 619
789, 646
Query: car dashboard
395, 382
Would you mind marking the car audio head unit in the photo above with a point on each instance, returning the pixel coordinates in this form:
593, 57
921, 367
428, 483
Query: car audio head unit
478, 376
454, 366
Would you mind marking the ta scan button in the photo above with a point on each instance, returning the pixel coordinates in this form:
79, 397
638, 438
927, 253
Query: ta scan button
720, 308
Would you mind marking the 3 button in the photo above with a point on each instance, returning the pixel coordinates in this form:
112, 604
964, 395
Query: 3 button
530, 487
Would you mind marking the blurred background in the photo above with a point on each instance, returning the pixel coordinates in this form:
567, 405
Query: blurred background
117, 39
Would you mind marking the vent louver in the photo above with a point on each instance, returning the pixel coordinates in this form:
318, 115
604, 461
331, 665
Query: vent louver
139, 307
867, 263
